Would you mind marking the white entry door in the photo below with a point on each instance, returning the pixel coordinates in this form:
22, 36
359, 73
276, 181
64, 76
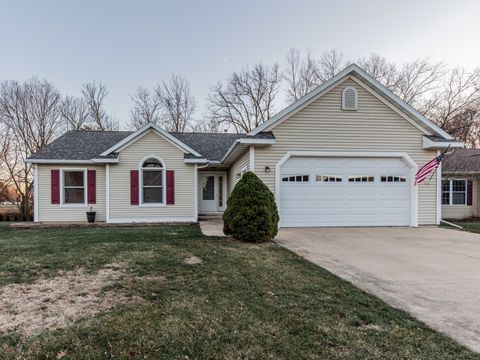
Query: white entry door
344, 192
211, 193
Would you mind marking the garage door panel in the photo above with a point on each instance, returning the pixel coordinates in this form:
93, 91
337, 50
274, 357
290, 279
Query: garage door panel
319, 203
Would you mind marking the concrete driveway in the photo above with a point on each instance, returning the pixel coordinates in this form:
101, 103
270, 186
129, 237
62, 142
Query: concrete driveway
432, 273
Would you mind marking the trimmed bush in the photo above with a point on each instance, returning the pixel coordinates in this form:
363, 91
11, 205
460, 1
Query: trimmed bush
251, 213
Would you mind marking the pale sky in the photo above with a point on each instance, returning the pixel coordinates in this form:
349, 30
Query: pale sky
126, 44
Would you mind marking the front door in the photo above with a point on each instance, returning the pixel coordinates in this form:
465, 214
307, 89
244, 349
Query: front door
211, 193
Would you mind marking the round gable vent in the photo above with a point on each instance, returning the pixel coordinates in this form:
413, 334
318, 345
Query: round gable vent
349, 98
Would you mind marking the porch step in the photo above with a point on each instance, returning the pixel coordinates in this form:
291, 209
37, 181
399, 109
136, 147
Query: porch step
210, 217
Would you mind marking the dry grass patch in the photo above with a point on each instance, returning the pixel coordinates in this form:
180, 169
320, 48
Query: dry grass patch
57, 302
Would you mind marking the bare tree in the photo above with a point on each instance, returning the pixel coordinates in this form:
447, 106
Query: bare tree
301, 75
206, 125
146, 109
305, 73
246, 99
94, 94
456, 106
74, 112
176, 102
381, 69
30, 119
331, 63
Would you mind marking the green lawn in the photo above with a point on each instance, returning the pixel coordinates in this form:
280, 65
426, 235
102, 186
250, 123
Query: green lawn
473, 226
243, 301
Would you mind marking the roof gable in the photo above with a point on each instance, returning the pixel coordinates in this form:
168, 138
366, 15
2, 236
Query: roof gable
133, 137
354, 71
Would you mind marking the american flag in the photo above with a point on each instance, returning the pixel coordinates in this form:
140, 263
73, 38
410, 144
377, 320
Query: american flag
429, 167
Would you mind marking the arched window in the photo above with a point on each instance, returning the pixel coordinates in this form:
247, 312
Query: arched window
349, 98
152, 171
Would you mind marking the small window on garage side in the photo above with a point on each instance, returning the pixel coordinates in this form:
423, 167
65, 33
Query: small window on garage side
361, 178
295, 178
392, 179
328, 178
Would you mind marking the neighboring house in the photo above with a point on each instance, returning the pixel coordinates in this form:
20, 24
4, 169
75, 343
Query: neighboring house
344, 155
460, 171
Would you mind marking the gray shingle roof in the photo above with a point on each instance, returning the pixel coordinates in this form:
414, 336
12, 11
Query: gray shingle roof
211, 146
87, 145
462, 161
80, 145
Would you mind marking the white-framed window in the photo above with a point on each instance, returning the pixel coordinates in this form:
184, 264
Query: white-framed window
328, 178
296, 178
349, 98
454, 192
152, 182
361, 178
73, 187
392, 178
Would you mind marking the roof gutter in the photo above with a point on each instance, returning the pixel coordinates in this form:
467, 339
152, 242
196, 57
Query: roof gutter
246, 141
63, 161
435, 145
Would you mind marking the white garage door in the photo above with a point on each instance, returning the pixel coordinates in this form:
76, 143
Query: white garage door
344, 192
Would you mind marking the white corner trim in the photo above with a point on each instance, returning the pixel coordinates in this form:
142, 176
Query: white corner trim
403, 155
429, 144
322, 89
107, 193
162, 219
252, 158
439, 191
133, 137
35, 193
195, 192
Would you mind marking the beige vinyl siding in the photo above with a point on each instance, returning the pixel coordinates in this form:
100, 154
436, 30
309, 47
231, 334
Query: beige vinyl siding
152, 144
242, 162
323, 126
463, 211
54, 212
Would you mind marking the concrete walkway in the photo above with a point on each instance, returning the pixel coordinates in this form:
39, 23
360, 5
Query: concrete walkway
212, 227
432, 273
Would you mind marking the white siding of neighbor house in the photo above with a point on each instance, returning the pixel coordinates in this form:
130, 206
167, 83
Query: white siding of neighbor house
459, 212
55, 212
375, 127
242, 162
130, 158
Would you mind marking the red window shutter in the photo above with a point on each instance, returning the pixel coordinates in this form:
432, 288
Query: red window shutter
469, 192
134, 187
55, 183
170, 187
92, 186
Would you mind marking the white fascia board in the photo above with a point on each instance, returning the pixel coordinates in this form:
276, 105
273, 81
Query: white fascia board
320, 90
256, 141
132, 137
247, 141
195, 161
430, 144
106, 161
84, 162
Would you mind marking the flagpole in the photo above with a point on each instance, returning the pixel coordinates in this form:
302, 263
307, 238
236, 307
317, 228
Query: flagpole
435, 171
